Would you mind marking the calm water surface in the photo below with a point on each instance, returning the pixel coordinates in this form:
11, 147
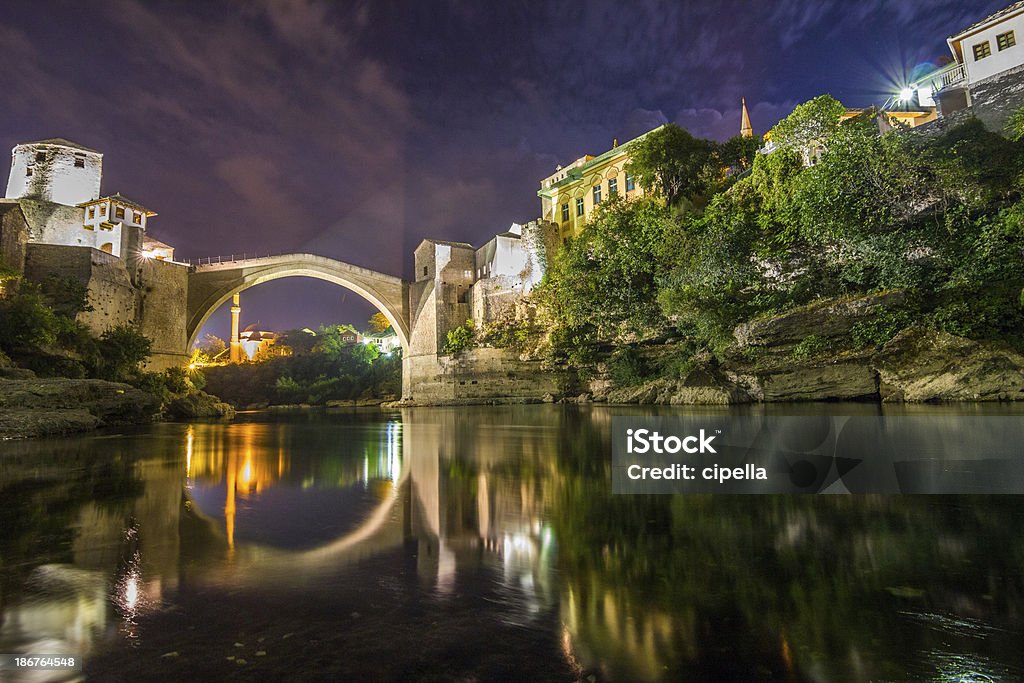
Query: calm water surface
482, 544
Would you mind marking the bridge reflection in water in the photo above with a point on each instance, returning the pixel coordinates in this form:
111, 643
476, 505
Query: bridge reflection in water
411, 496
508, 513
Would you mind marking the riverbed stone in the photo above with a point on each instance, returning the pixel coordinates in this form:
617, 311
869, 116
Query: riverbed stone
198, 404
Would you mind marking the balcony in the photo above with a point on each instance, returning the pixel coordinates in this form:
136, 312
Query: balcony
954, 75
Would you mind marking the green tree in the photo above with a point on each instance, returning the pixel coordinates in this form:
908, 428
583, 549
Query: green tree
123, 350
739, 152
674, 164
607, 278
334, 341
26, 321
461, 338
299, 342
378, 322
66, 296
810, 124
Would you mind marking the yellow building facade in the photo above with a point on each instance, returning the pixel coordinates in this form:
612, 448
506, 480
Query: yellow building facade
569, 196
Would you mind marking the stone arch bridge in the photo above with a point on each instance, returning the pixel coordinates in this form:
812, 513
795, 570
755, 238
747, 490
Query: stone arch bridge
213, 283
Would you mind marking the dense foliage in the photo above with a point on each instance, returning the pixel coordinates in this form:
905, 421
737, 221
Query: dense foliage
839, 208
39, 331
320, 368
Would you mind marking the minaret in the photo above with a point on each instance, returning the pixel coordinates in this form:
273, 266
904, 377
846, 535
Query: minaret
236, 345
746, 130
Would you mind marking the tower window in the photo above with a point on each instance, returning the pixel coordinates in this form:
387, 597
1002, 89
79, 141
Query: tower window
119, 212
28, 171
597, 194
103, 209
579, 206
424, 271
565, 212
92, 212
630, 182
1005, 40
137, 218
613, 188
40, 156
79, 161
982, 50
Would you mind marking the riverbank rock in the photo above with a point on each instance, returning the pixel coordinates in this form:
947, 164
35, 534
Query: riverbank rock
810, 354
198, 405
703, 385
927, 365
42, 407
829, 319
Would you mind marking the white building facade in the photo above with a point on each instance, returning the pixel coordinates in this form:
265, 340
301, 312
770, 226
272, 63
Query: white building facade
57, 182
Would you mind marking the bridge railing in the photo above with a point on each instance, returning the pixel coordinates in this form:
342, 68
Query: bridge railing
233, 258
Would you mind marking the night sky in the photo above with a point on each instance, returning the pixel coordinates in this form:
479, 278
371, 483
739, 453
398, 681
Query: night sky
355, 130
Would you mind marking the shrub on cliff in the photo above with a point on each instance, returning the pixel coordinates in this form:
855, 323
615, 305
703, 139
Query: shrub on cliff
122, 351
460, 339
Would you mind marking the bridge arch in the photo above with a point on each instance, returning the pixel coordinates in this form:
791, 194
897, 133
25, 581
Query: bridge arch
212, 284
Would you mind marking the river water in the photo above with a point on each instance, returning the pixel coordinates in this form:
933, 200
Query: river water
482, 544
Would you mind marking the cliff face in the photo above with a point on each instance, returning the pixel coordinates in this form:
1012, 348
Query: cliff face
818, 353
43, 407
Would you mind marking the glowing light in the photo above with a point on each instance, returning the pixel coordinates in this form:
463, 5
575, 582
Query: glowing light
131, 592
148, 254
906, 94
189, 443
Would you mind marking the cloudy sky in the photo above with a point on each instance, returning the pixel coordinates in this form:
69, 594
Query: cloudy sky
356, 129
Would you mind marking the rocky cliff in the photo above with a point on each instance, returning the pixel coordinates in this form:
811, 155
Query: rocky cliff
850, 349
42, 407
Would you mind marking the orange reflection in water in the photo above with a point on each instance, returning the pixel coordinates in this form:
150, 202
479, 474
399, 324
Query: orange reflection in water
250, 458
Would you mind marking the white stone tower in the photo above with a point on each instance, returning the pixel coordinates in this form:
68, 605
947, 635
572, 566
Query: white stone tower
55, 170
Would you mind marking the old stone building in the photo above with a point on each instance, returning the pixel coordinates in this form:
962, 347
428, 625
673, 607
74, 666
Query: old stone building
70, 230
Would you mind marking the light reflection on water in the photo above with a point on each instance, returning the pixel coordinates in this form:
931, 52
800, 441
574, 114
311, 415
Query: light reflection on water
484, 542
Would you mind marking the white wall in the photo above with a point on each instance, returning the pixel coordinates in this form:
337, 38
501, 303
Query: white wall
1000, 60
56, 178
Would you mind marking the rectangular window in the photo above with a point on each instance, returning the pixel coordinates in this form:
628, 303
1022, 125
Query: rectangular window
613, 188
119, 212
79, 162
1005, 40
597, 195
982, 50
137, 217
103, 209
565, 212
92, 212
424, 271
579, 206
630, 182
28, 171
40, 156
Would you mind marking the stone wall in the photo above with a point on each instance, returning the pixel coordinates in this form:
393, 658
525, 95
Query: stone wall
13, 235
157, 305
161, 310
110, 292
56, 223
479, 376
994, 99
